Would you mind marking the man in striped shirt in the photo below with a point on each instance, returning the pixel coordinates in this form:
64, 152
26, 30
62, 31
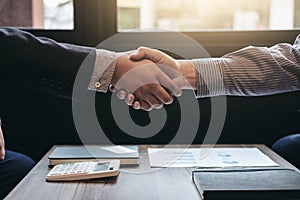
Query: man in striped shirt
252, 71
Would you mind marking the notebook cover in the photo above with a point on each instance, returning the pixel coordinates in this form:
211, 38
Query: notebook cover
90, 152
248, 184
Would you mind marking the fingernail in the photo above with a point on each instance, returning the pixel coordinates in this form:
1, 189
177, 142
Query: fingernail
112, 88
121, 95
136, 106
178, 94
158, 106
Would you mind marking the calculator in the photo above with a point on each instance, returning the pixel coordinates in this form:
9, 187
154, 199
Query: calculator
84, 170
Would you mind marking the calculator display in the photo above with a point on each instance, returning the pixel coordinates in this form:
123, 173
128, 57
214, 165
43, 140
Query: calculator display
101, 167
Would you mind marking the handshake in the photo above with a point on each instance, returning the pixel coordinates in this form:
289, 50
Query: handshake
149, 78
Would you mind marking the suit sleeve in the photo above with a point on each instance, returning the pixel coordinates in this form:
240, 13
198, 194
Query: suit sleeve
43, 64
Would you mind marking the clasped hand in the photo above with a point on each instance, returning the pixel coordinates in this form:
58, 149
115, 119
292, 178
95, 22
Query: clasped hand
147, 79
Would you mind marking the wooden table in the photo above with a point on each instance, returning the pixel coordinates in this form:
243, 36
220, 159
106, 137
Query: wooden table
133, 183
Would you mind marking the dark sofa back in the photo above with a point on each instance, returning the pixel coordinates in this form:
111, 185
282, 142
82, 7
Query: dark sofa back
33, 122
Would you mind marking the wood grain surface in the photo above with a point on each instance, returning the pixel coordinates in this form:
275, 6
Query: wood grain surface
133, 182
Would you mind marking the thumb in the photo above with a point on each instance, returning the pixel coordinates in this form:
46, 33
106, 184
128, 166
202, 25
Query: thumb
146, 53
2, 144
139, 54
2, 153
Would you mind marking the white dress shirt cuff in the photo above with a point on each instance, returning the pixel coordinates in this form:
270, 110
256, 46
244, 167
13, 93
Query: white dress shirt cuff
103, 70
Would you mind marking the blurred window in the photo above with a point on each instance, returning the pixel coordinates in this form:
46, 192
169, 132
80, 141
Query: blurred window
197, 15
37, 14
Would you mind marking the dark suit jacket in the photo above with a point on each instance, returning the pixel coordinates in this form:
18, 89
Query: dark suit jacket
38, 63
35, 72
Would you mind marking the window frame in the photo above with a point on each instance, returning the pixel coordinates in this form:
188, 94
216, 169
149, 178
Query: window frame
96, 20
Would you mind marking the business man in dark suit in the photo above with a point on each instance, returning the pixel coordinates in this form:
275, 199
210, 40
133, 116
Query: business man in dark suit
45, 65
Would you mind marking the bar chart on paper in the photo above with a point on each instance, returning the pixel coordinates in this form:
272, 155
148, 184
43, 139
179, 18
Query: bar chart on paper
209, 157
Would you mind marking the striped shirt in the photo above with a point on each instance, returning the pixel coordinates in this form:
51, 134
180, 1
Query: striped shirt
252, 71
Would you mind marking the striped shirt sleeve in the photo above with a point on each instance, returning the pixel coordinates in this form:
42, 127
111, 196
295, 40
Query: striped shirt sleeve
252, 71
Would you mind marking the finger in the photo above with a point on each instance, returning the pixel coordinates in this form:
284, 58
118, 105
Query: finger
159, 107
136, 105
163, 96
130, 99
152, 100
121, 94
144, 105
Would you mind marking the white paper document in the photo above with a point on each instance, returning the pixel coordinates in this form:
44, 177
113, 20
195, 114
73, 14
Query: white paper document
209, 157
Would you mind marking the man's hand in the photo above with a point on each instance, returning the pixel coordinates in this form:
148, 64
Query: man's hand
168, 64
182, 72
2, 144
144, 81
